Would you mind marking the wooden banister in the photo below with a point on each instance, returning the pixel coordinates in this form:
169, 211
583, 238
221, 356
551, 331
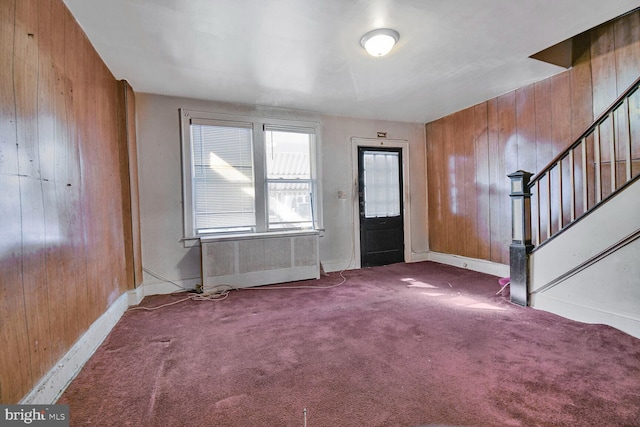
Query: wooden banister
587, 169
597, 122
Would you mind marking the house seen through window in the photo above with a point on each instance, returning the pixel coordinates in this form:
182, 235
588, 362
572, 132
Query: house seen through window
289, 183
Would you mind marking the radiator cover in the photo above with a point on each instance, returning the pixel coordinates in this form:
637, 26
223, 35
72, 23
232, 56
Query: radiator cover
260, 258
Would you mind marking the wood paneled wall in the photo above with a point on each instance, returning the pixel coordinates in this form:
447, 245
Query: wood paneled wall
62, 234
130, 191
471, 152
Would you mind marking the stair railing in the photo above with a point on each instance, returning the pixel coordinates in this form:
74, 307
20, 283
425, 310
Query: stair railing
601, 162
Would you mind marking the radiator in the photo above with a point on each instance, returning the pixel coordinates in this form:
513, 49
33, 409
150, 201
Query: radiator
260, 259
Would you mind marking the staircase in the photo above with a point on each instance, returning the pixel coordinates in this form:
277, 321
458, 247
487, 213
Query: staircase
585, 223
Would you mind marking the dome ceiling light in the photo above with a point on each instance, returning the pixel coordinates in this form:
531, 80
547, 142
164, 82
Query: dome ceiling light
379, 42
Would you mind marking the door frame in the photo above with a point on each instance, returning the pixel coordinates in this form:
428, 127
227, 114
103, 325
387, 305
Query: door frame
403, 144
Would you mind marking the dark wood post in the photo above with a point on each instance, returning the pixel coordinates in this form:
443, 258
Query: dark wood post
520, 237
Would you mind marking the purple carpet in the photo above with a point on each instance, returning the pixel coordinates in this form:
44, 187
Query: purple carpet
402, 345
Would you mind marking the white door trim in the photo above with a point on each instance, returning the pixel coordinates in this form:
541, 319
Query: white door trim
403, 144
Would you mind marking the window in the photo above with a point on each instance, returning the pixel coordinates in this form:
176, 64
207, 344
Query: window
381, 183
242, 174
223, 182
289, 183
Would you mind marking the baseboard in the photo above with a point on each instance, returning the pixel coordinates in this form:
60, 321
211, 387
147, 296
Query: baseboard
51, 386
332, 266
587, 314
134, 297
419, 256
161, 288
479, 265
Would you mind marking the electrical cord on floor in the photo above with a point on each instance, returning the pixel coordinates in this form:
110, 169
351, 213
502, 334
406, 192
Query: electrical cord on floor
158, 276
205, 296
213, 294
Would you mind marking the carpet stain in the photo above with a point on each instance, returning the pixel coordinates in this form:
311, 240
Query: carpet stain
433, 294
156, 385
485, 306
418, 284
288, 355
163, 341
230, 402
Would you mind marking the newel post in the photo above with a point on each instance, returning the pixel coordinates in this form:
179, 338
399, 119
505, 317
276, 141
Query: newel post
520, 236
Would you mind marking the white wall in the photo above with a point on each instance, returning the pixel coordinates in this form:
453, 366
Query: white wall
336, 247
158, 133
607, 292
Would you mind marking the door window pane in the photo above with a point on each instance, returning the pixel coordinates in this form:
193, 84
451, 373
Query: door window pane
381, 184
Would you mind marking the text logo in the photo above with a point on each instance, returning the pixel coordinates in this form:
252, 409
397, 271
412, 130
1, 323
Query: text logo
34, 415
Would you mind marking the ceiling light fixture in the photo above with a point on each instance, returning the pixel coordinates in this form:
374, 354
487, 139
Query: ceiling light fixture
379, 42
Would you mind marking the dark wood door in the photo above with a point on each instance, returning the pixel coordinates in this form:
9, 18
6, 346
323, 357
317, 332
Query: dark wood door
381, 206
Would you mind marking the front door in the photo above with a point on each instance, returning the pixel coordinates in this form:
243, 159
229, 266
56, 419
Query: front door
381, 206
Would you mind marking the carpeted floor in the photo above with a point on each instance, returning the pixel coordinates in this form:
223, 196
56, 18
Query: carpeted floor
401, 345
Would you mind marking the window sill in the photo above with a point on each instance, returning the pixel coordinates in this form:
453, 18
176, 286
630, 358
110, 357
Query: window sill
262, 235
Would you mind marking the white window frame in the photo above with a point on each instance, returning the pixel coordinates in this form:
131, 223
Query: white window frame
258, 125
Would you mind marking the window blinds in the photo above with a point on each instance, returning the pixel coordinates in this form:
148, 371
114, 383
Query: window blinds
223, 177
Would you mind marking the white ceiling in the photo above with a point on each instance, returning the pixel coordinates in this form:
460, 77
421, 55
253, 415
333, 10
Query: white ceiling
305, 54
